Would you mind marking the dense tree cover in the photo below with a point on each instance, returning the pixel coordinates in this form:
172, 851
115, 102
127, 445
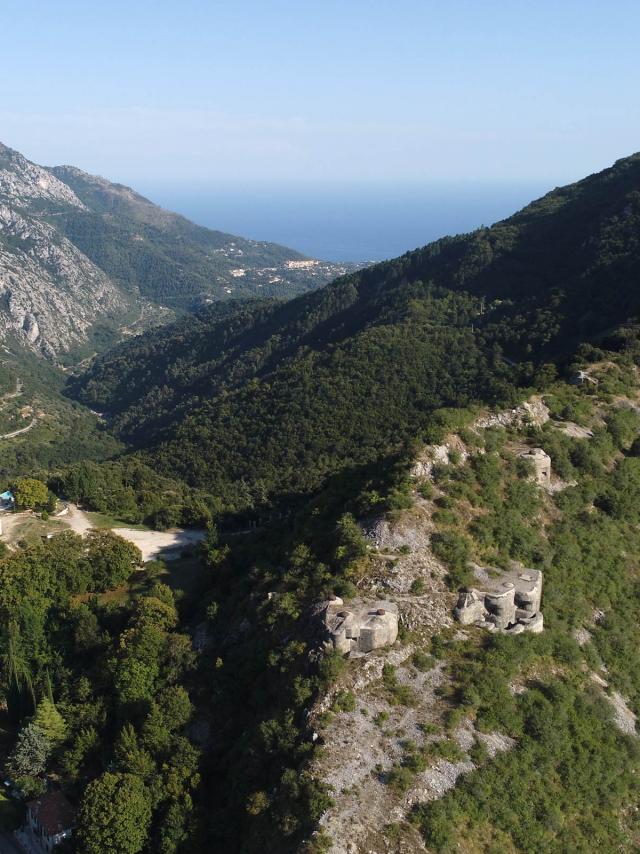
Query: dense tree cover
272, 399
115, 815
7, 379
133, 492
38, 580
250, 424
99, 692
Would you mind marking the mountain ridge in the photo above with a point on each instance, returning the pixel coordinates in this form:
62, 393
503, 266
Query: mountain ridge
148, 261
373, 349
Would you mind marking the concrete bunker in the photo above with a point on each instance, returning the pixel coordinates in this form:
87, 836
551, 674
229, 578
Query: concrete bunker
541, 463
508, 603
361, 627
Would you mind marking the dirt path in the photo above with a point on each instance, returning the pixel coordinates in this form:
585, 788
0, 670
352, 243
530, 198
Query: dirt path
154, 545
12, 394
4, 399
20, 431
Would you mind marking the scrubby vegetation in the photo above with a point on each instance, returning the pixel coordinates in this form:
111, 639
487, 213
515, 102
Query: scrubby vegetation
572, 774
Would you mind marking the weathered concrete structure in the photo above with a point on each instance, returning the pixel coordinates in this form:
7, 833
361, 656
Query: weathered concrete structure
508, 603
583, 378
362, 627
541, 462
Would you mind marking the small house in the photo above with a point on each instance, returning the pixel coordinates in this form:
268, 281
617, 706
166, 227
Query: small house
50, 820
7, 500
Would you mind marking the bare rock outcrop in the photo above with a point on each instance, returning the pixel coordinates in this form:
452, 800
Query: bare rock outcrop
50, 293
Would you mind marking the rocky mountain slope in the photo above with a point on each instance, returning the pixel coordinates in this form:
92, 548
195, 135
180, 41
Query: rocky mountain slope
402, 727
51, 294
81, 259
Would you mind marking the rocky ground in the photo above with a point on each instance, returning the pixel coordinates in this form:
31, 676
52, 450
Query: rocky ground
362, 745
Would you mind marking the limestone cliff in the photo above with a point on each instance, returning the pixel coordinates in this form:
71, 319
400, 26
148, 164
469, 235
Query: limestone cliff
50, 293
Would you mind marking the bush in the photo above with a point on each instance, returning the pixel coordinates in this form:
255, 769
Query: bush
344, 702
331, 666
454, 550
425, 489
400, 778
422, 661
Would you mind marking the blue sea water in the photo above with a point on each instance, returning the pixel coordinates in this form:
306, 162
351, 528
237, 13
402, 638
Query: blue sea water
346, 222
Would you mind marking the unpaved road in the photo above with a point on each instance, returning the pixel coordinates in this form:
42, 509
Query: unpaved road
154, 545
12, 394
20, 431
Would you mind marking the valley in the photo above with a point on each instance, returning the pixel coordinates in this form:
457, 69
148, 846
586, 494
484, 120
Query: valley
251, 574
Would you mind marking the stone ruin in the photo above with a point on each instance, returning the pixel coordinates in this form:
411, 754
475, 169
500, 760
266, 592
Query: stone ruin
361, 627
509, 603
541, 462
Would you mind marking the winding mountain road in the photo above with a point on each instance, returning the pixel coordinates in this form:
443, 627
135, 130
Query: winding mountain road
4, 399
20, 431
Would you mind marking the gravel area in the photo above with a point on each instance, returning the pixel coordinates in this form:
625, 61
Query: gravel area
154, 545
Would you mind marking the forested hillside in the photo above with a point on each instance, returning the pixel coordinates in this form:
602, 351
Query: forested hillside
351, 442
166, 258
270, 399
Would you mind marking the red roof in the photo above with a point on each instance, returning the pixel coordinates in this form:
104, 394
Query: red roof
53, 812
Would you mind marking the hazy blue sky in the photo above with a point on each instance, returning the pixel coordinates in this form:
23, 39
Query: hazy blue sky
332, 90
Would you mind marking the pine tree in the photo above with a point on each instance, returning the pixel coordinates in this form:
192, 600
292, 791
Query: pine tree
50, 722
29, 756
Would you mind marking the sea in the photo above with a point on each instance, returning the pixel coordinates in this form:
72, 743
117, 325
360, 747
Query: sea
346, 222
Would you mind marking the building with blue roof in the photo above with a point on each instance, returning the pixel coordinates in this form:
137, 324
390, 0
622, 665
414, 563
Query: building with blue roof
7, 500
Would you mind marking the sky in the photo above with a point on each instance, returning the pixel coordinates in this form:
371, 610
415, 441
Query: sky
201, 92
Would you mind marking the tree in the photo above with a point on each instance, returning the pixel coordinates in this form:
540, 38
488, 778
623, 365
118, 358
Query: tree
30, 493
82, 753
152, 611
30, 755
175, 706
351, 542
112, 558
50, 722
134, 680
114, 815
130, 756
